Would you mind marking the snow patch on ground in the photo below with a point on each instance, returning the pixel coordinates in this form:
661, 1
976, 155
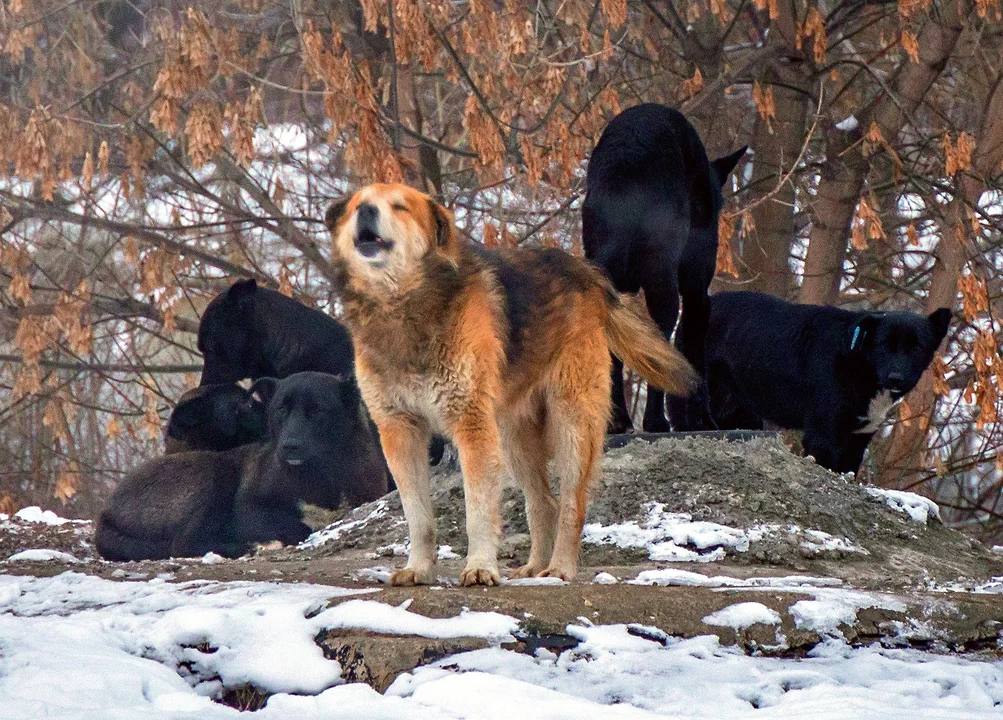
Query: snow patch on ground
669, 536
35, 514
918, 508
43, 555
742, 615
613, 674
336, 529
672, 576
80, 647
832, 608
677, 537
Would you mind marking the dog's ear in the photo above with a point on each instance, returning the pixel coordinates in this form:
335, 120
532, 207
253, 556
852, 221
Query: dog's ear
940, 320
862, 331
334, 212
724, 165
242, 292
263, 389
443, 220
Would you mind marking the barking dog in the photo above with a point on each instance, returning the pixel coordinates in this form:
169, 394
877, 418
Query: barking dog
505, 353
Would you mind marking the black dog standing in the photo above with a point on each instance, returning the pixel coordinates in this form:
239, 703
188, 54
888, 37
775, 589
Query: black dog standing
650, 220
831, 372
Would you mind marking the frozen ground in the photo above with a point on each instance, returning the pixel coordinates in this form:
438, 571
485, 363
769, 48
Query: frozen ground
77, 646
718, 581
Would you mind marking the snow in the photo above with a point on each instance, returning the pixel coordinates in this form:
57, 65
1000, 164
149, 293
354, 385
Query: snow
918, 508
848, 124
832, 608
211, 558
604, 578
536, 581
43, 555
742, 615
337, 529
77, 647
669, 536
672, 576
613, 672
816, 541
35, 514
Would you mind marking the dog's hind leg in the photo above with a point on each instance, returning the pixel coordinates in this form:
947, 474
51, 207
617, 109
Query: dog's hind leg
405, 445
525, 448
577, 409
619, 421
662, 300
693, 413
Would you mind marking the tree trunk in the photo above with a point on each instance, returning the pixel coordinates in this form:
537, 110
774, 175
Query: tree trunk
776, 145
896, 457
845, 167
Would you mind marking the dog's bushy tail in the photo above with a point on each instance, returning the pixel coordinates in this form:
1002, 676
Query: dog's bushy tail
638, 342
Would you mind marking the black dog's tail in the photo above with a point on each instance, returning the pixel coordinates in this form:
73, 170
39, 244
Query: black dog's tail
115, 544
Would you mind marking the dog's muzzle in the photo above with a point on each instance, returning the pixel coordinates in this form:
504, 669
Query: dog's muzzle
368, 241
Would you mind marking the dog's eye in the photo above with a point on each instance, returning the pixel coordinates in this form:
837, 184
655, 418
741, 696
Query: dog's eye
401, 207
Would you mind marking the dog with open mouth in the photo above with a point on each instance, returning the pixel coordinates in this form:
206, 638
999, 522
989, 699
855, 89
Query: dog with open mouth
506, 353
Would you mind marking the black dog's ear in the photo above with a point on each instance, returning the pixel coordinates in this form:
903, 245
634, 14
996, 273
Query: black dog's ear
940, 320
444, 230
334, 212
862, 331
263, 389
724, 165
242, 291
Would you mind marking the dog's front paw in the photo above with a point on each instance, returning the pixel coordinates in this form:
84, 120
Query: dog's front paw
413, 576
480, 576
527, 570
564, 572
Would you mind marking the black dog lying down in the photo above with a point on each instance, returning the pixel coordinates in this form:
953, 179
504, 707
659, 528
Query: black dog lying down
215, 417
254, 332
320, 448
831, 372
650, 221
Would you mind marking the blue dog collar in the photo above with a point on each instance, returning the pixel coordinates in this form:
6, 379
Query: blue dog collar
855, 338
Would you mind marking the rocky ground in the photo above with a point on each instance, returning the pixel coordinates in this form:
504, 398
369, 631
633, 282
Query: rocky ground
679, 531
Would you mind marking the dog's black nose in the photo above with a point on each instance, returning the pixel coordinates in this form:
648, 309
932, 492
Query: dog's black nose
367, 214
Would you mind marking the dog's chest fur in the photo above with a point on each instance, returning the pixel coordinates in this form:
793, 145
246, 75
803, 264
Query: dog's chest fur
877, 411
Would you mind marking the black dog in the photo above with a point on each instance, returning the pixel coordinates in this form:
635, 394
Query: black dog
831, 372
214, 417
253, 332
650, 221
320, 449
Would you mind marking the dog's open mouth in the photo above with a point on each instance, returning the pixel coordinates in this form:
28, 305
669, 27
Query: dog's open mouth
369, 244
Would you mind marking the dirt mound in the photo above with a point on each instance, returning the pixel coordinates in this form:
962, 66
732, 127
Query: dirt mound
700, 500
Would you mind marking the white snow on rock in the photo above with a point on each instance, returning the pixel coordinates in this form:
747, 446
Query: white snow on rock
211, 558
672, 576
669, 536
43, 555
535, 581
613, 672
918, 508
381, 618
604, 578
742, 615
832, 608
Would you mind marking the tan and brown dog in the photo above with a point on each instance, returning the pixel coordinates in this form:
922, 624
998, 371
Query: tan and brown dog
506, 353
